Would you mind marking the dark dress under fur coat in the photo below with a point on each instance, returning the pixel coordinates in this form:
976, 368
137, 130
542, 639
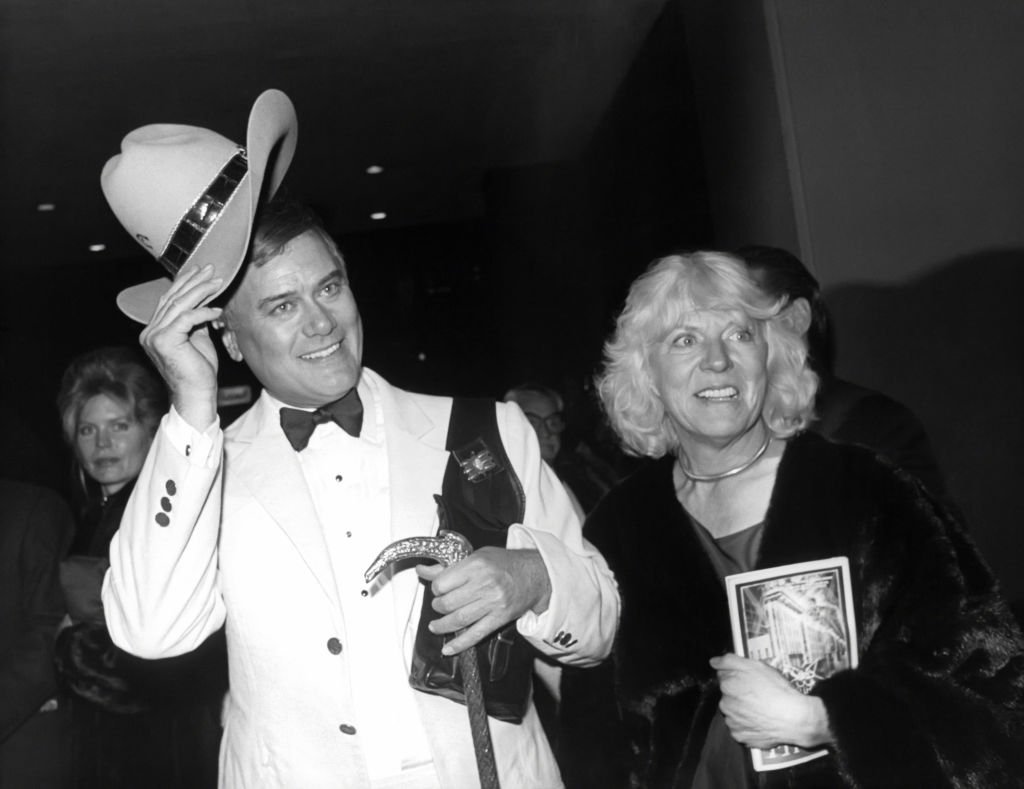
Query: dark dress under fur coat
936, 701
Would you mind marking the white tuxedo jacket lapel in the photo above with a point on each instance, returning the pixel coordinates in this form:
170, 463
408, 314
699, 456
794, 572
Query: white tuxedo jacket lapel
416, 427
266, 464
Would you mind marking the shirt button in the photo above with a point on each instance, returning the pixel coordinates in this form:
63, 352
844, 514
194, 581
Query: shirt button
347, 729
348, 534
337, 477
364, 593
334, 646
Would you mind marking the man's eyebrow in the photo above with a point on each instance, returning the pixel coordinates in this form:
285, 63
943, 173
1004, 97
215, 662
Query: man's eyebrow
335, 276
276, 297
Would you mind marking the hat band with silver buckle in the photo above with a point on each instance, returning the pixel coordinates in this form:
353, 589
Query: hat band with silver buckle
203, 214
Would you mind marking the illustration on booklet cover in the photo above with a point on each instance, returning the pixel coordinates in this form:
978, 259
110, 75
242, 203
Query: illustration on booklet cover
797, 618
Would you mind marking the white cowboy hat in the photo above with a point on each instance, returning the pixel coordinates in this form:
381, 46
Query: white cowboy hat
189, 195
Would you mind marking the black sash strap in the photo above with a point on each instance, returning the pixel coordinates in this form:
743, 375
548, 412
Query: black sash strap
481, 496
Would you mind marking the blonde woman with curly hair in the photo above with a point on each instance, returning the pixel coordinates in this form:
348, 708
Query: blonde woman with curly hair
707, 377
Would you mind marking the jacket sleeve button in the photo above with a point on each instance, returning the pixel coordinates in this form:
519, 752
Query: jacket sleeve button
334, 646
347, 729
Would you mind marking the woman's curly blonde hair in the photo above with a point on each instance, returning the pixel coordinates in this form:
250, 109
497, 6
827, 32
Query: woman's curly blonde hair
657, 302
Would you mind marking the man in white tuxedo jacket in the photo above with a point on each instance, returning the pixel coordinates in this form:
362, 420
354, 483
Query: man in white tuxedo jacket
237, 528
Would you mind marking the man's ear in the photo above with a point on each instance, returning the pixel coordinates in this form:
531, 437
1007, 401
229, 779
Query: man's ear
797, 315
228, 339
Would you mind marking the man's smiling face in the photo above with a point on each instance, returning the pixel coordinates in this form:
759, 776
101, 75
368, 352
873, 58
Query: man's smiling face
294, 322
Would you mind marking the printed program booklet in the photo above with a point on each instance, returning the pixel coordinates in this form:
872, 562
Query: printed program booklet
797, 618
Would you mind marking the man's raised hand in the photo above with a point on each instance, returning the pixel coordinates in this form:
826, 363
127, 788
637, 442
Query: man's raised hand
178, 341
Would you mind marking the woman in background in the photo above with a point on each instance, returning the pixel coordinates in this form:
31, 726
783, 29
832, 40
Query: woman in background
707, 377
110, 404
137, 723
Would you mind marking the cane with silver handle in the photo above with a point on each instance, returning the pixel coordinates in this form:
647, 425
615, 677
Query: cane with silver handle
448, 548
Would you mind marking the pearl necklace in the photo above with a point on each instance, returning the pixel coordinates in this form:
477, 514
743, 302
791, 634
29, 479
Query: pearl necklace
730, 472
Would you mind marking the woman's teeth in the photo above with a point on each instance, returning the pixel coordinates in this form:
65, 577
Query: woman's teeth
718, 394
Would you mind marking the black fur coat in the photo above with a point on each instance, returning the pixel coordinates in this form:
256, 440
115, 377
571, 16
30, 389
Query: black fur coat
938, 697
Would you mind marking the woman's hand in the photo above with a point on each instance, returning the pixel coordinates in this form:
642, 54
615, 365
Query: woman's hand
763, 710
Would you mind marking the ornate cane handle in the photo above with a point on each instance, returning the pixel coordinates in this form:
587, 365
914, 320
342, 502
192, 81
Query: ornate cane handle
446, 549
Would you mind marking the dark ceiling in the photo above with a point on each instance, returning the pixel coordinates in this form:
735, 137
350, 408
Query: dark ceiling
436, 93
535, 154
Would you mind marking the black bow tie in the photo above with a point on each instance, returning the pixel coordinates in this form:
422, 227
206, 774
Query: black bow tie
299, 425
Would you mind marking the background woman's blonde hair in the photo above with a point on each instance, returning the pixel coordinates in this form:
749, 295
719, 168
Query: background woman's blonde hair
119, 372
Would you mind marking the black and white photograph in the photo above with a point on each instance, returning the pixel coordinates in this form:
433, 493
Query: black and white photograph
428, 394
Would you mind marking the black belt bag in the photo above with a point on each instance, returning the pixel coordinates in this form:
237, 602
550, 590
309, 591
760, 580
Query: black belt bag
481, 496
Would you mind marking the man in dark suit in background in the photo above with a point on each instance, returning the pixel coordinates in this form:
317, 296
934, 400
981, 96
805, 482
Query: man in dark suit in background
35, 531
845, 411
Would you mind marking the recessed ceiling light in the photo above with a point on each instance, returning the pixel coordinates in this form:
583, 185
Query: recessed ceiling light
378, 215
374, 169
97, 247
46, 207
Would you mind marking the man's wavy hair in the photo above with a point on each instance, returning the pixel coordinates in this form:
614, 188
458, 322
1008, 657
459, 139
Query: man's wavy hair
657, 302
278, 222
